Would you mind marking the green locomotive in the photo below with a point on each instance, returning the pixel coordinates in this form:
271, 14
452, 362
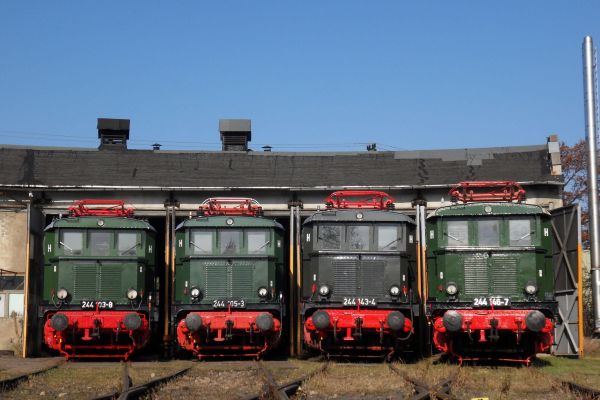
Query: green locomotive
99, 281
490, 274
229, 280
359, 276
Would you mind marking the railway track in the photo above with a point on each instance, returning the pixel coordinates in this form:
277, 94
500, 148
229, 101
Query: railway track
12, 382
583, 392
424, 391
130, 391
272, 390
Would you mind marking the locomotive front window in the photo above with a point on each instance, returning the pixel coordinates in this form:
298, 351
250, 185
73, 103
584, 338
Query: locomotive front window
71, 242
258, 241
329, 237
201, 242
127, 243
520, 232
230, 241
488, 232
99, 243
457, 233
358, 237
388, 238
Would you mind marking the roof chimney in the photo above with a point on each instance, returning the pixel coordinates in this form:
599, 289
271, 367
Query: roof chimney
235, 134
113, 133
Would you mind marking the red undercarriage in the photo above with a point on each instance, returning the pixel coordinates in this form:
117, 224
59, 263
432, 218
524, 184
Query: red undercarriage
478, 326
96, 334
228, 334
352, 329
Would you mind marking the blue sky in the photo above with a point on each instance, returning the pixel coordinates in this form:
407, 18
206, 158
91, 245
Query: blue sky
312, 75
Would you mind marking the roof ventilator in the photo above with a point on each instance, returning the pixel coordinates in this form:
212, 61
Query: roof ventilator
235, 134
113, 133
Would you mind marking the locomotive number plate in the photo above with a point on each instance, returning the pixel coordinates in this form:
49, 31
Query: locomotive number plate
363, 301
491, 302
102, 305
226, 303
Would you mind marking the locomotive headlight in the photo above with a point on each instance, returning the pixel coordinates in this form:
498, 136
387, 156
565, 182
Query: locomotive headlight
262, 292
195, 292
530, 288
132, 294
395, 290
451, 288
324, 290
62, 293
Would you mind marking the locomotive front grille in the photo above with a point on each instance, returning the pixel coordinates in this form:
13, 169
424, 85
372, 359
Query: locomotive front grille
109, 278
504, 275
224, 280
85, 281
358, 277
215, 279
241, 279
344, 276
97, 281
372, 274
476, 275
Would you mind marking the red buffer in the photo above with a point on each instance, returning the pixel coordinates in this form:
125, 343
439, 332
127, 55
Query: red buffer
228, 333
100, 208
369, 199
96, 333
230, 206
474, 191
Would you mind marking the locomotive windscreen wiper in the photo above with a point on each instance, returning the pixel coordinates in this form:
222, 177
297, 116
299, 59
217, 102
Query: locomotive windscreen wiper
390, 243
453, 238
525, 235
198, 247
265, 244
67, 247
124, 252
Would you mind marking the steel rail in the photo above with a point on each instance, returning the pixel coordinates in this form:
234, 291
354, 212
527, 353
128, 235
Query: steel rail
583, 391
10, 383
423, 391
286, 389
138, 391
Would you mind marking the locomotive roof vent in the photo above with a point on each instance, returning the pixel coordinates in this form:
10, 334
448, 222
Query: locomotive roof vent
235, 134
113, 133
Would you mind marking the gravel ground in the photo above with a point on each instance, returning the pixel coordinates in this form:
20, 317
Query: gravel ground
355, 381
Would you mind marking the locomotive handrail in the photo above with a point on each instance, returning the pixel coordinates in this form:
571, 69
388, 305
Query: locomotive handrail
370, 199
100, 208
497, 191
230, 206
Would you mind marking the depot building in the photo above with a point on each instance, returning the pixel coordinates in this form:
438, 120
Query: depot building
38, 184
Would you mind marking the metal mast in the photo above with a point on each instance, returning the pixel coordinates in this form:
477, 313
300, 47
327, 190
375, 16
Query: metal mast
589, 73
